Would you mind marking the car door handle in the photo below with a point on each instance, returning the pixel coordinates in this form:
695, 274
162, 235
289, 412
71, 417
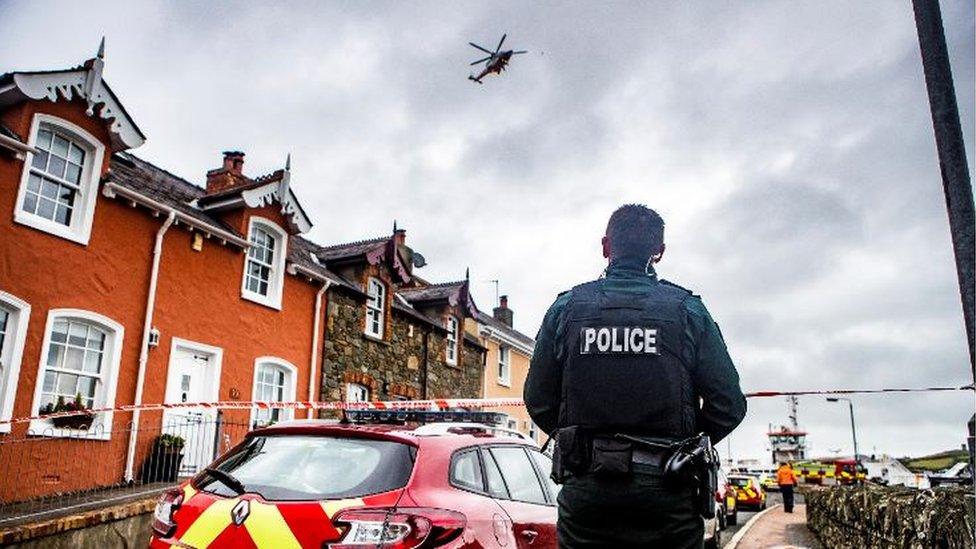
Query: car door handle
529, 535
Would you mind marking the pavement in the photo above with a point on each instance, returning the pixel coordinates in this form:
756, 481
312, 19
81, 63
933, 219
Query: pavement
773, 529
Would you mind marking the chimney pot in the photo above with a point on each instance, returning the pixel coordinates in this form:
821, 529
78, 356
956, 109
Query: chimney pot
229, 175
234, 162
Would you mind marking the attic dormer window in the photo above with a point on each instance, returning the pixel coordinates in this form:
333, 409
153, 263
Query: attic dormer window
375, 305
59, 183
264, 267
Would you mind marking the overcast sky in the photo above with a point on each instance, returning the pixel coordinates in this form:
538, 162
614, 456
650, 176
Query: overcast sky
788, 146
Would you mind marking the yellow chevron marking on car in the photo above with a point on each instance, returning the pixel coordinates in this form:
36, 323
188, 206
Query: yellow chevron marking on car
188, 492
268, 528
210, 523
332, 507
751, 492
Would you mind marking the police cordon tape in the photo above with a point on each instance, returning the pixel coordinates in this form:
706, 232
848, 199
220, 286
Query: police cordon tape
440, 403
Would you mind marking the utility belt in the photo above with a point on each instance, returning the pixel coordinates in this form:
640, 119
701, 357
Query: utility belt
687, 463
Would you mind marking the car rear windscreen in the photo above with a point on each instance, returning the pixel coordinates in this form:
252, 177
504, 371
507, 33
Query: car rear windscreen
289, 468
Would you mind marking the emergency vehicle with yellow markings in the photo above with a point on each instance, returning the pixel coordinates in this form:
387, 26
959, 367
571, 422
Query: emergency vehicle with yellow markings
749, 493
394, 479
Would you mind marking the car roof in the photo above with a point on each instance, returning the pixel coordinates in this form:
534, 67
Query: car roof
457, 436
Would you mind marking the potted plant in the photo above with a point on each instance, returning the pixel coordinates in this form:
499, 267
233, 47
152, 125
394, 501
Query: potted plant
81, 421
163, 462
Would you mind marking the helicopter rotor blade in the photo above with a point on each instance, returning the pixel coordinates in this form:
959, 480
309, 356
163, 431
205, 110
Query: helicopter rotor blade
480, 48
482, 60
500, 42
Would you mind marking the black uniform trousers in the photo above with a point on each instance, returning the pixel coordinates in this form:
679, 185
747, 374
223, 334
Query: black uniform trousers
633, 511
787, 491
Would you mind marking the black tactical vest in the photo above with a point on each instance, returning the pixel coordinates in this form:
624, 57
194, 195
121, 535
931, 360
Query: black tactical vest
624, 370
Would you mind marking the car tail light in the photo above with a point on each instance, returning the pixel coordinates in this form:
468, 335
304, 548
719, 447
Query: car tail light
163, 523
397, 528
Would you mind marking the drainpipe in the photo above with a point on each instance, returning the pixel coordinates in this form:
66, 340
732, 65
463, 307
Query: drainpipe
18, 147
316, 324
423, 386
144, 349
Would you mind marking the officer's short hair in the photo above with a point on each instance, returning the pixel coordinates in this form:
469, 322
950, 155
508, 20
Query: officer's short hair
634, 230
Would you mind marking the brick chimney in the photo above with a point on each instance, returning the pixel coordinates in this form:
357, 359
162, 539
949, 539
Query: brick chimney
229, 175
502, 312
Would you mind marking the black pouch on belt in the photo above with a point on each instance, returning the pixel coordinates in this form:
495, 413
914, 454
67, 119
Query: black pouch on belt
611, 457
572, 452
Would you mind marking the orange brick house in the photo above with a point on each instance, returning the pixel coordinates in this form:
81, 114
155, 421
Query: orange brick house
121, 283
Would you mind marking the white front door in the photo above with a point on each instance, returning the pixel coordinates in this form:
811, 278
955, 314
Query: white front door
191, 378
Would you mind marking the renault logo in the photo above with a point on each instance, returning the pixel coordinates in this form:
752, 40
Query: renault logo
240, 512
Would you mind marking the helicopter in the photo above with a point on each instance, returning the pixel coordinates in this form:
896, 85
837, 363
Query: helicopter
495, 62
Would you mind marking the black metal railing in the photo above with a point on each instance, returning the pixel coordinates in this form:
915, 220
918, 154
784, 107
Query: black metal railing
53, 471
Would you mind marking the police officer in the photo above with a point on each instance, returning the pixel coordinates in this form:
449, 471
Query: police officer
629, 356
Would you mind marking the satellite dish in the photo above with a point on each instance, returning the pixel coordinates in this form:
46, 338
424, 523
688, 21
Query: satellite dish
418, 260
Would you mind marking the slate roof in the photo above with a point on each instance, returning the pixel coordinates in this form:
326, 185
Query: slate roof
351, 249
496, 324
434, 292
131, 172
408, 310
300, 253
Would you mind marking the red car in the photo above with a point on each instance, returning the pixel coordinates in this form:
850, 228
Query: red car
321, 484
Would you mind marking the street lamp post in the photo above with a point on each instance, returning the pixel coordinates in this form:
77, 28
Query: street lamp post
853, 429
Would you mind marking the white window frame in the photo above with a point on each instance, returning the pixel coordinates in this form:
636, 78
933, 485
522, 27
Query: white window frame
104, 396
505, 365
276, 281
11, 353
291, 375
350, 387
451, 343
373, 282
84, 208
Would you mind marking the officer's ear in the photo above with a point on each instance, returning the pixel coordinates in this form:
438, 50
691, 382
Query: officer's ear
657, 257
606, 247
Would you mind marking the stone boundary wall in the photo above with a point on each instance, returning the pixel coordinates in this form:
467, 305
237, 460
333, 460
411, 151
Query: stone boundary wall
875, 517
124, 526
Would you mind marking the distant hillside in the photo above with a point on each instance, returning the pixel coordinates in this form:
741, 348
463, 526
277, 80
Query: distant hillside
936, 462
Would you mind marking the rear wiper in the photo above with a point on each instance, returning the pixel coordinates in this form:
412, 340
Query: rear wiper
227, 479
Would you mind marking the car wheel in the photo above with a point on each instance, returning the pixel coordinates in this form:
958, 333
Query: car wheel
732, 519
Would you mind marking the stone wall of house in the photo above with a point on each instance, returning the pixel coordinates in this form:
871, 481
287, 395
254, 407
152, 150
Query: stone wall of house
393, 367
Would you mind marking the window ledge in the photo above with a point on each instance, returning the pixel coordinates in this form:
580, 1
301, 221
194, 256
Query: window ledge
454, 365
375, 339
262, 300
505, 383
50, 227
44, 428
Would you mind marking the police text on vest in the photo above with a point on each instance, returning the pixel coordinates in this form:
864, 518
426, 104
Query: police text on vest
624, 340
